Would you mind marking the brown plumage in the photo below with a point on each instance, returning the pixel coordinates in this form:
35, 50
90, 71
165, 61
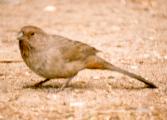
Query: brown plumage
53, 56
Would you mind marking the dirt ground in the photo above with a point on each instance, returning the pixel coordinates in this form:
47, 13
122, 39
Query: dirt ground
131, 34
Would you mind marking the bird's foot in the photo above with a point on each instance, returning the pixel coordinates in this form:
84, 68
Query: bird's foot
40, 83
64, 85
37, 85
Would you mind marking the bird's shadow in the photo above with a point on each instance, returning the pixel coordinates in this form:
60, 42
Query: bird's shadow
77, 85
82, 85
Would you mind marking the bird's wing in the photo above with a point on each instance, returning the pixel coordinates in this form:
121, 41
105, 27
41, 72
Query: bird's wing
74, 50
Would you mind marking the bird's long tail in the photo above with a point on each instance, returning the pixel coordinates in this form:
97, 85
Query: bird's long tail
95, 62
138, 77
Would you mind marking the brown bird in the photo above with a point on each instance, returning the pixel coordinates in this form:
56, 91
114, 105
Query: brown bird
54, 56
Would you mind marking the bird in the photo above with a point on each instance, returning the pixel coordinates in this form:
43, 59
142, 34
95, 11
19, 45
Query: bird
54, 57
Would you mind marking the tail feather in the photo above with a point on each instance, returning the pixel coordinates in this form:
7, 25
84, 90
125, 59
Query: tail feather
95, 62
138, 77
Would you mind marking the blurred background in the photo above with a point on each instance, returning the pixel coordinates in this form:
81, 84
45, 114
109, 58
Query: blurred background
129, 33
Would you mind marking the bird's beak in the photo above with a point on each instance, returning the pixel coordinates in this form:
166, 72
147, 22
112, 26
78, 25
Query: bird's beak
20, 36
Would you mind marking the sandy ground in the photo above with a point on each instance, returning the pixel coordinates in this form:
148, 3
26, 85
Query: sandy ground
129, 33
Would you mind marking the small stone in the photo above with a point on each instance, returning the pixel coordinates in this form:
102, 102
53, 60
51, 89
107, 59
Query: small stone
134, 67
77, 104
50, 8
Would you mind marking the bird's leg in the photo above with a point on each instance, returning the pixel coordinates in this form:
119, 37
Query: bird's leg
65, 85
40, 83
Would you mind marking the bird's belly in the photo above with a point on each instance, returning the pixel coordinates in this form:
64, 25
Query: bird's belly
61, 70
53, 69
57, 71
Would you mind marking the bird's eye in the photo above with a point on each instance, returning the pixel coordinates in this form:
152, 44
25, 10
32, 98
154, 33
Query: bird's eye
32, 33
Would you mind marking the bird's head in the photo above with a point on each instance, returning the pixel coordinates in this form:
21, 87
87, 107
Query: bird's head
31, 38
29, 33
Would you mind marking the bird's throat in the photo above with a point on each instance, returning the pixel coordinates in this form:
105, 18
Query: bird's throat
24, 48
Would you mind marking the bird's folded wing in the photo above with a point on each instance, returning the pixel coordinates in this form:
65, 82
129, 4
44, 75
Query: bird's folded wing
75, 50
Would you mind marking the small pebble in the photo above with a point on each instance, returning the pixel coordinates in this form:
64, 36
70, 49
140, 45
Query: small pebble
50, 8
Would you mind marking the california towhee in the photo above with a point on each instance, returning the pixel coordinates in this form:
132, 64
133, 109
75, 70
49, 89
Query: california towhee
54, 56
